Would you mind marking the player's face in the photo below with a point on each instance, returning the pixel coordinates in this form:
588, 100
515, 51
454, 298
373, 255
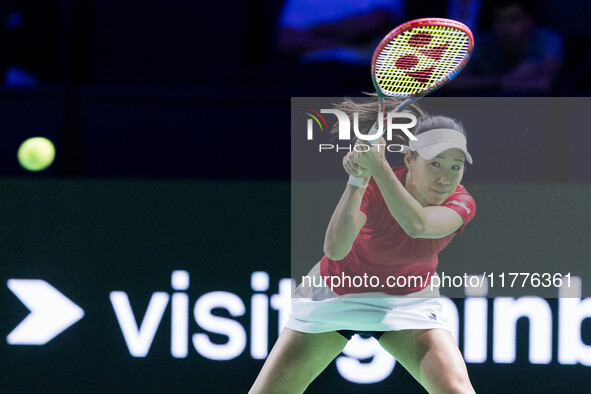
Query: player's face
431, 182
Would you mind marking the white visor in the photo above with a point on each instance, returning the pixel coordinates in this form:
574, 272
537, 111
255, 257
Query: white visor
431, 143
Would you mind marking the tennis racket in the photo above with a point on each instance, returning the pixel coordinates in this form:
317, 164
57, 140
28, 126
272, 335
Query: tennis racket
417, 58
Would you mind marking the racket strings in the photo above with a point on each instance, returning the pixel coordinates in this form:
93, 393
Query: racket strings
420, 59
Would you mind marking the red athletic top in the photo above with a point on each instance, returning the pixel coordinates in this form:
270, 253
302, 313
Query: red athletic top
383, 249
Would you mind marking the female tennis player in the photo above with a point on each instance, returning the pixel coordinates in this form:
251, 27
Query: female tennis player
391, 224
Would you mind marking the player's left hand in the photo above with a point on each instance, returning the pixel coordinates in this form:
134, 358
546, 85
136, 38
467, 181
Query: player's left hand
353, 168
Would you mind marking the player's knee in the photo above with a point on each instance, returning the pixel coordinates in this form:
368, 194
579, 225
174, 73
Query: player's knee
276, 387
280, 381
455, 384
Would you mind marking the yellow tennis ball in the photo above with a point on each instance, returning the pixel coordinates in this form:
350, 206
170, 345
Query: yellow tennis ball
36, 154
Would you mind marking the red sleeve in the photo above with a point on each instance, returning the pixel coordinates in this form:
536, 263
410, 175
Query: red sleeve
463, 203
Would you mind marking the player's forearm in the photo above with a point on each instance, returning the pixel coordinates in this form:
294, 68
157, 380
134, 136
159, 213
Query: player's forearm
402, 206
344, 224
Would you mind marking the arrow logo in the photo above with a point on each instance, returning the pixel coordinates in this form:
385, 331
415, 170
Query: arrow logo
51, 312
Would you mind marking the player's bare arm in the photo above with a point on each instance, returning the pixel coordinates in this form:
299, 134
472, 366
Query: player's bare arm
347, 220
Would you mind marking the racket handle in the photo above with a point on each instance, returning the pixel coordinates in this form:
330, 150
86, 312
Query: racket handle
406, 103
401, 107
372, 131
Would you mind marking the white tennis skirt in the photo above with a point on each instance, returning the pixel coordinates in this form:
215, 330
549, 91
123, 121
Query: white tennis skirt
319, 309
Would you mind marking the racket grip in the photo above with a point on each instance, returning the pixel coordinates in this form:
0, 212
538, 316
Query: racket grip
401, 107
372, 131
355, 181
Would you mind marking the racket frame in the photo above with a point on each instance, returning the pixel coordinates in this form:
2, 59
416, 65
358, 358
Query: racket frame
413, 97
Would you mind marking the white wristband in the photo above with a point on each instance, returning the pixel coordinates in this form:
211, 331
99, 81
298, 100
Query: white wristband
355, 181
